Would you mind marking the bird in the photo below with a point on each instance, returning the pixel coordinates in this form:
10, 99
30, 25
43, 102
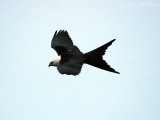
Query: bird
70, 59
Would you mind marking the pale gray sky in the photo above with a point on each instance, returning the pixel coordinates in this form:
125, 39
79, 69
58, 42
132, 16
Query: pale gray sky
29, 90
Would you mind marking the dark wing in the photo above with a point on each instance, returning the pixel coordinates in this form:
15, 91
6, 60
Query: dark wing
71, 62
61, 42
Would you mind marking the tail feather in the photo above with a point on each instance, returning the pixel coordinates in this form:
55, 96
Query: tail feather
95, 58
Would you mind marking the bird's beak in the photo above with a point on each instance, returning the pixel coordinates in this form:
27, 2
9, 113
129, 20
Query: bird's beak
50, 64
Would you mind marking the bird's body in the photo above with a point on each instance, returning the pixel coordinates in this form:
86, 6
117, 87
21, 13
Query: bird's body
70, 59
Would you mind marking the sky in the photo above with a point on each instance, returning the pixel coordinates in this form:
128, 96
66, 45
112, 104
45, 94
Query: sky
29, 90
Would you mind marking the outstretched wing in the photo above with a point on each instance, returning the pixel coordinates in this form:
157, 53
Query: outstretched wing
61, 42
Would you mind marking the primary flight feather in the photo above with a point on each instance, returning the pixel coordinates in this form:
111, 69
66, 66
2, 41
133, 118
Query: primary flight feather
70, 59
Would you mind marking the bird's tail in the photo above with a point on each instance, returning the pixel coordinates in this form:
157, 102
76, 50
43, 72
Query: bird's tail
95, 58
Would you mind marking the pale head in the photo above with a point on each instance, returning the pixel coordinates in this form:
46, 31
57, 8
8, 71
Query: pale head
55, 62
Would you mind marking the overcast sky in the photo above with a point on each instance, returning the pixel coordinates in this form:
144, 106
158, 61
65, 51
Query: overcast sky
29, 90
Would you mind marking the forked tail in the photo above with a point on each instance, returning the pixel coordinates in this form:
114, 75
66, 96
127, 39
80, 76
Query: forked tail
95, 58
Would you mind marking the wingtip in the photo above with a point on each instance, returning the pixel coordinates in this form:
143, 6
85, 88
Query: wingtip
55, 33
60, 31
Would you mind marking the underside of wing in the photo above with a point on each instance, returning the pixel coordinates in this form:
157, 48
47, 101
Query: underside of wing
61, 42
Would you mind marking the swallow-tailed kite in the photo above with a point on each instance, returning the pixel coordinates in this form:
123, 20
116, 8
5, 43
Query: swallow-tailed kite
70, 59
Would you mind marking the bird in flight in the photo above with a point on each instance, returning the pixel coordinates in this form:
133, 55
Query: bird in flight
70, 59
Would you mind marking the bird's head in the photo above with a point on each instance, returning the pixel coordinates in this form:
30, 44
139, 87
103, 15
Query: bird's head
55, 62
51, 64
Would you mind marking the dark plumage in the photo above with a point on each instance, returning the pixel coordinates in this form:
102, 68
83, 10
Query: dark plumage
71, 59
